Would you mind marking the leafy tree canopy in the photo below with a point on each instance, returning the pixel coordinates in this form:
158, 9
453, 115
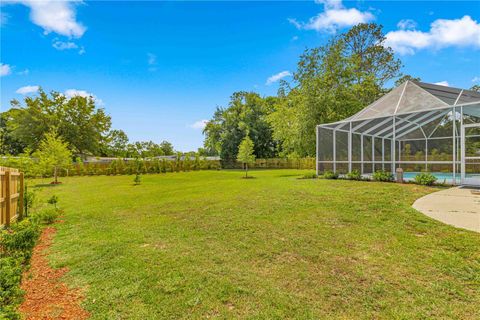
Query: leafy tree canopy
247, 112
77, 120
53, 153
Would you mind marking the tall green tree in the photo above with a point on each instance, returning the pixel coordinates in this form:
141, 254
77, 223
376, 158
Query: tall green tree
53, 153
77, 120
167, 148
116, 144
331, 83
246, 153
406, 77
247, 112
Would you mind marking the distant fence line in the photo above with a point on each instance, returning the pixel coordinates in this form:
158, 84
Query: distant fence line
11, 195
274, 163
123, 166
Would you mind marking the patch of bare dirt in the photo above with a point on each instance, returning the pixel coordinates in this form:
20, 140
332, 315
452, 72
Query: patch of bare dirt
46, 296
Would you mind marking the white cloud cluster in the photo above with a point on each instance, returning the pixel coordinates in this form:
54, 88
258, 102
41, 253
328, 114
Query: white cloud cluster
464, 32
5, 70
70, 93
277, 77
200, 124
60, 45
152, 61
3, 19
334, 17
27, 89
407, 24
67, 45
54, 16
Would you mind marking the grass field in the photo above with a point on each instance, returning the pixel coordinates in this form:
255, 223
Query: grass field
213, 245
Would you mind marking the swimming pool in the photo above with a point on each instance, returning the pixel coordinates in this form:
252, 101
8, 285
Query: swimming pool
442, 177
445, 177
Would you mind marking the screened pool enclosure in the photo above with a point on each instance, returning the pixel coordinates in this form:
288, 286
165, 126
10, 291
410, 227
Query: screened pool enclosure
418, 127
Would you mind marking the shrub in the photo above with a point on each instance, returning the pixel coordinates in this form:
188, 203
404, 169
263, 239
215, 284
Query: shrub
330, 175
16, 245
137, 179
10, 292
19, 239
53, 200
46, 216
382, 175
425, 178
354, 175
309, 176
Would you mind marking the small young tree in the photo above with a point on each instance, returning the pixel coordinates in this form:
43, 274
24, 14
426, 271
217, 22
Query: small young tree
137, 180
245, 153
53, 153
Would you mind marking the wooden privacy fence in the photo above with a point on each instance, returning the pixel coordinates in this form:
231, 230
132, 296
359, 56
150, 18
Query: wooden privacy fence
11, 197
273, 163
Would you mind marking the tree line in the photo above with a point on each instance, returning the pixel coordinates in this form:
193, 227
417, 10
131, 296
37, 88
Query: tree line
85, 128
332, 82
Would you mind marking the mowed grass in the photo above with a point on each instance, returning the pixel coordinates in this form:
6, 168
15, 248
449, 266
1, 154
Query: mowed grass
209, 244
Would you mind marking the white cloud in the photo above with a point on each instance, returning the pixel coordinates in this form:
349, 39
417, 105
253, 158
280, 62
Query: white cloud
152, 62
406, 24
27, 89
54, 16
200, 124
61, 45
277, 77
3, 19
476, 79
442, 83
294, 38
152, 59
464, 32
24, 72
70, 93
334, 17
5, 70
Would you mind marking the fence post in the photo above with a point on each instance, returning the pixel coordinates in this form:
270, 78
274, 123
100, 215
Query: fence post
21, 202
8, 201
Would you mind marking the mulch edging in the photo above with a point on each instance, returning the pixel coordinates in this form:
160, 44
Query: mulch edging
46, 296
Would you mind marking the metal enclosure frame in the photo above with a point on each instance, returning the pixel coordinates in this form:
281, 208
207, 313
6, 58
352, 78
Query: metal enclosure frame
422, 118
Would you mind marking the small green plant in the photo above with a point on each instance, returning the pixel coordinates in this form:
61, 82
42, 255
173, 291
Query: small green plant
309, 176
46, 216
16, 244
137, 180
246, 153
29, 198
383, 176
53, 200
354, 175
330, 175
425, 178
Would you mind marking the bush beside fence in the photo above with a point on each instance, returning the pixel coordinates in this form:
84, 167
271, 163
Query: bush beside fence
120, 166
274, 163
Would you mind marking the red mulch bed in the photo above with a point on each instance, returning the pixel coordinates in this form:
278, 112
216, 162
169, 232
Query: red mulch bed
46, 296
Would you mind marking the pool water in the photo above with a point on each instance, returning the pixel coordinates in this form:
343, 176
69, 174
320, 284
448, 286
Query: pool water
443, 177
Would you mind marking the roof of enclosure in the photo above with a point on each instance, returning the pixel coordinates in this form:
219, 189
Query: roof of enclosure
416, 97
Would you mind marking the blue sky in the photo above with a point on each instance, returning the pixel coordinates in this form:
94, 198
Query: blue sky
160, 68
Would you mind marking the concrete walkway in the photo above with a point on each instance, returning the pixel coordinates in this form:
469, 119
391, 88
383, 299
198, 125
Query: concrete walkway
459, 207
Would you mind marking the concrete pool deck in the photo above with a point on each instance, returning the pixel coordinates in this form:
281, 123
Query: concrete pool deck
458, 207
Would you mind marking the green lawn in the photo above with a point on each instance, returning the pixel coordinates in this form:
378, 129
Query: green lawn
212, 245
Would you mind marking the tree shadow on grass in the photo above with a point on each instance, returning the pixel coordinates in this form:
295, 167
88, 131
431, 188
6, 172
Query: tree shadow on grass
45, 185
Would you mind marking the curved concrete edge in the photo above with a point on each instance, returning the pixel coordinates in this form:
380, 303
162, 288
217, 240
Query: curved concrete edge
457, 206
